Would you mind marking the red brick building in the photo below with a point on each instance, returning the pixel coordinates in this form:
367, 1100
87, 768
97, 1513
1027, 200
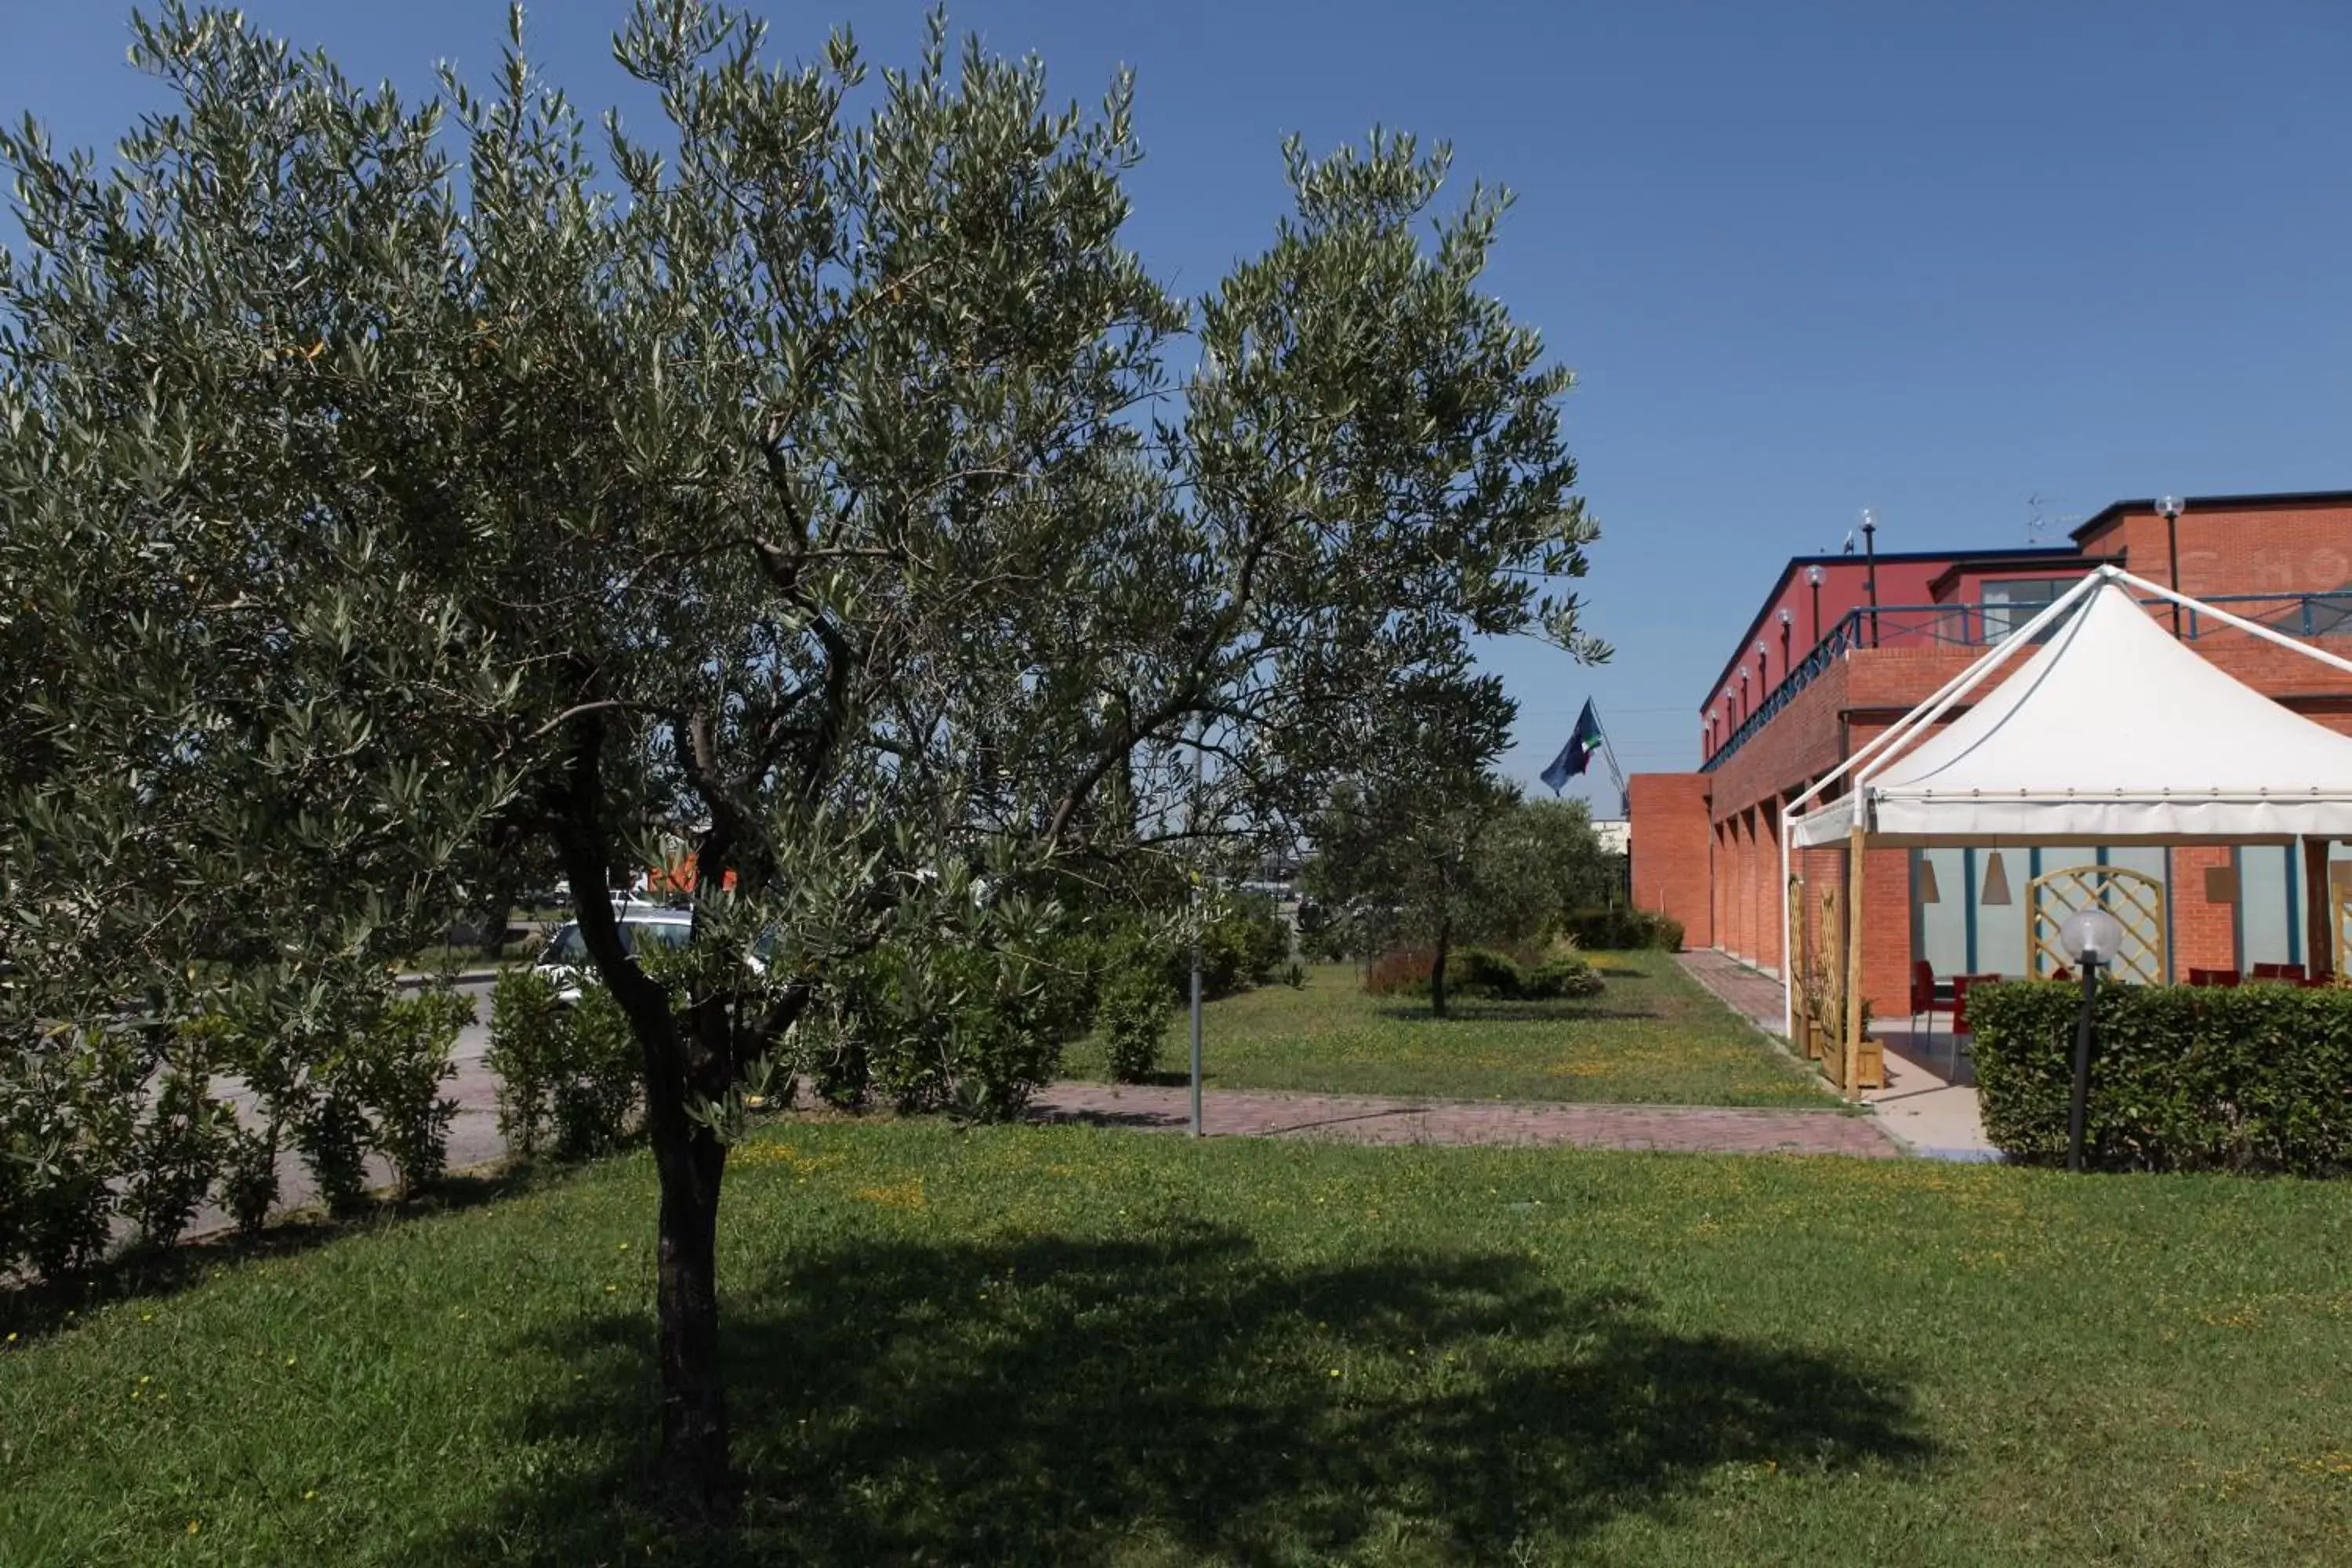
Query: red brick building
1843, 646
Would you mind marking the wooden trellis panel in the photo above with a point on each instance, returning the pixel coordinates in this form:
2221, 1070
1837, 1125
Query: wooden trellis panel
2134, 898
1798, 948
2339, 911
1829, 973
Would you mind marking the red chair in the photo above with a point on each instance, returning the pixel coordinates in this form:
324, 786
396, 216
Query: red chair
2064, 975
2294, 972
1925, 1003
2221, 977
1960, 983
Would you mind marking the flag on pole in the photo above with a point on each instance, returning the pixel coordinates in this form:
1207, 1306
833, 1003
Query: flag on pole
1577, 755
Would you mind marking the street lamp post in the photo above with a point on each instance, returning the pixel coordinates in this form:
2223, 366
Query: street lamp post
1787, 621
2171, 506
1813, 578
1200, 773
2089, 938
1870, 567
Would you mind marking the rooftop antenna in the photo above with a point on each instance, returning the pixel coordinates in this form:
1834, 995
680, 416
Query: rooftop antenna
2034, 521
1849, 544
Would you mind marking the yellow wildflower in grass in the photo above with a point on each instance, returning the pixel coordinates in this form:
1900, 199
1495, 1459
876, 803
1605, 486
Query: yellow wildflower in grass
905, 1194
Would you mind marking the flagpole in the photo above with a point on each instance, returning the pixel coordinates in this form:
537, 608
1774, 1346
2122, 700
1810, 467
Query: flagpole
1608, 750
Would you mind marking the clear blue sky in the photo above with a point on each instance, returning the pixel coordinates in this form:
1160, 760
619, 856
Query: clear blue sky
1805, 257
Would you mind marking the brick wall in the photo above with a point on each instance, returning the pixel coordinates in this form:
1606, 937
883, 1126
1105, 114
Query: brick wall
1712, 858
1672, 852
2276, 549
2204, 933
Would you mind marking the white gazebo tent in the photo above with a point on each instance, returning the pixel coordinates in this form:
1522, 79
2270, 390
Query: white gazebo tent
2110, 732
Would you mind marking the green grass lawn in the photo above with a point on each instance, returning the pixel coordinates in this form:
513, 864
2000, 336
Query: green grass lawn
1074, 1346
1654, 1036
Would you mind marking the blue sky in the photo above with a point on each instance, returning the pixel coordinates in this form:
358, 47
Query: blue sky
1806, 258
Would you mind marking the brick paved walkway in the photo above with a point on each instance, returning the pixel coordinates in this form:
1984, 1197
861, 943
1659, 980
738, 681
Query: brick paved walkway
1362, 1118
1757, 997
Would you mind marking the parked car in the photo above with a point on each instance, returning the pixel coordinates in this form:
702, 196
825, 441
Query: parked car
565, 963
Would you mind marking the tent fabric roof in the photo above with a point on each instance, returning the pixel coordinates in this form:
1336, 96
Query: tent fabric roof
2111, 731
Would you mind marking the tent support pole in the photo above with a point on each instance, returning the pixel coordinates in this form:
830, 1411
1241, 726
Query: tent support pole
1852, 1045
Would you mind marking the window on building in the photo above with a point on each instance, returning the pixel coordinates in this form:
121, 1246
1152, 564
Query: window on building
2269, 928
2270, 912
1963, 933
2007, 605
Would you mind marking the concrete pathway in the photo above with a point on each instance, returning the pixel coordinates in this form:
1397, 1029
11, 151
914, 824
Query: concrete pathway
1928, 1104
1363, 1119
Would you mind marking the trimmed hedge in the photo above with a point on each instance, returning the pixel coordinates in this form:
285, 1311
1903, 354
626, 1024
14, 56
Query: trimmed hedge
2258, 1077
1623, 931
101, 1124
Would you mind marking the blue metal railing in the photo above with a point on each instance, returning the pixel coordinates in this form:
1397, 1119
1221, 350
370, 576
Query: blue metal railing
1982, 626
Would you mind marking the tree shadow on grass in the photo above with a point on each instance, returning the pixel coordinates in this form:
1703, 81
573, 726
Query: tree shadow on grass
1081, 1401
149, 1273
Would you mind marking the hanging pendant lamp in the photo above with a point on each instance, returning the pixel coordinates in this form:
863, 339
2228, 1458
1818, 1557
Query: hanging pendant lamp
1996, 880
1929, 893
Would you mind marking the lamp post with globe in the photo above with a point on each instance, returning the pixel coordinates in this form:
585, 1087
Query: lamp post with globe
2090, 938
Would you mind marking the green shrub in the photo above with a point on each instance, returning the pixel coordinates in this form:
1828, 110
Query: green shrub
331, 1132
524, 1019
599, 1077
935, 1028
177, 1154
1559, 979
109, 1126
568, 1077
68, 1114
1132, 1007
1480, 972
249, 1175
1243, 942
2182, 1077
1621, 929
407, 1059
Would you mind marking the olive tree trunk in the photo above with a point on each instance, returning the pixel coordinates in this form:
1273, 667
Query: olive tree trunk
1437, 969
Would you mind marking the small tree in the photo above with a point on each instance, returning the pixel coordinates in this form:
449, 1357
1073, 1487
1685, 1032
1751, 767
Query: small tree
831, 486
1406, 850
1542, 862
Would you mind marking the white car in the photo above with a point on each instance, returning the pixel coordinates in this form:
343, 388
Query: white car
566, 965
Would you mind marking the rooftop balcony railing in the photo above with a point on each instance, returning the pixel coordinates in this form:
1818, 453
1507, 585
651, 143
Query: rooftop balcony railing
1983, 625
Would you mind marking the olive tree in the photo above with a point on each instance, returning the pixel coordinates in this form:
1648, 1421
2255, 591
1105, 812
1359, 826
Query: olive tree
818, 476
